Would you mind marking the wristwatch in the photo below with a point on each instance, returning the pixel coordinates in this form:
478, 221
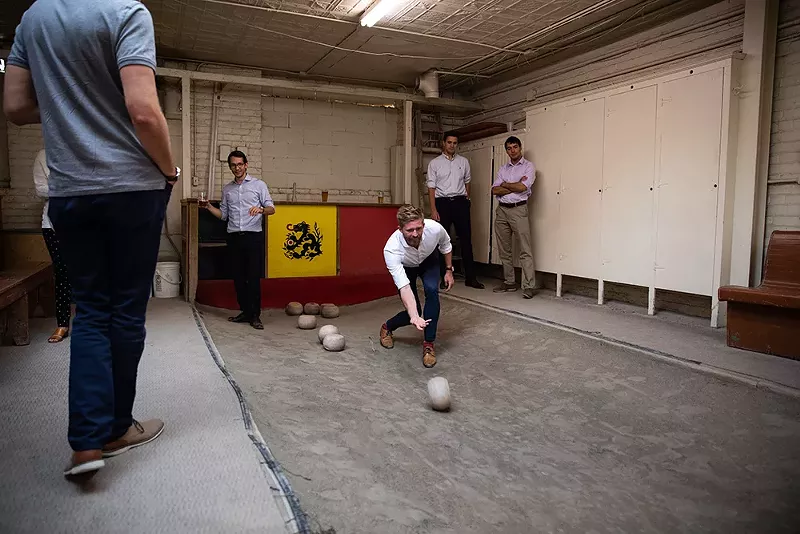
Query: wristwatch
451, 268
176, 177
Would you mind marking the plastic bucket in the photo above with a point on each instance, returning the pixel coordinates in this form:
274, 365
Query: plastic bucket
167, 280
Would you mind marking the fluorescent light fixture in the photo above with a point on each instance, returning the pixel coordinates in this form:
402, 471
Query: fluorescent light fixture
377, 11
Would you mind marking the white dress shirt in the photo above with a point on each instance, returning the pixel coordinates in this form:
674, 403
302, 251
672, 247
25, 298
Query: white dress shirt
41, 174
237, 199
449, 176
399, 254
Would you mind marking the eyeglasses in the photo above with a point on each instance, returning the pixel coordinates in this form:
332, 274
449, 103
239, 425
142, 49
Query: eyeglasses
237, 165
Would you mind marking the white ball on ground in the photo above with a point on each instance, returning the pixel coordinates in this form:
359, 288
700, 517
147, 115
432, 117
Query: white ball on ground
327, 330
329, 311
307, 322
311, 308
333, 342
439, 393
294, 308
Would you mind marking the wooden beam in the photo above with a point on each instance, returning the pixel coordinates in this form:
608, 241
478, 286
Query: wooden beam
186, 137
331, 90
408, 110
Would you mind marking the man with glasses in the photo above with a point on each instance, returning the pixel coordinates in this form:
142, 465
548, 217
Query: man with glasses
513, 188
245, 201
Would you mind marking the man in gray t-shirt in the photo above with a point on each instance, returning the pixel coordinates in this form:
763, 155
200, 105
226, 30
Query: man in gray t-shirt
85, 70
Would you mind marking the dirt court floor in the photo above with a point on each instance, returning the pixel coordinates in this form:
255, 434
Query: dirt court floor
549, 431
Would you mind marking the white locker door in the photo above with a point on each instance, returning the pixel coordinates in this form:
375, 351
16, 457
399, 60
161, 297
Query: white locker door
581, 183
690, 127
480, 164
500, 159
543, 148
628, 170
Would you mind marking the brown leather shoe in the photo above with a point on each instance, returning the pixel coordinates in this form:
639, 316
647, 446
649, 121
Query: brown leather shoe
387, 341
84, 463
428, 355
137, 435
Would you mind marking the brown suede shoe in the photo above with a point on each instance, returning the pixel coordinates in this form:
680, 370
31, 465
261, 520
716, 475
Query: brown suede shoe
428, 355
84, 463
137, 435
387, 341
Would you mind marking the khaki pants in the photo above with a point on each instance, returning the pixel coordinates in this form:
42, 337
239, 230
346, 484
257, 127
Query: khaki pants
508, 223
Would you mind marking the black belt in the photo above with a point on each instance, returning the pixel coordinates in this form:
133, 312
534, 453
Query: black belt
457, 197
514, 205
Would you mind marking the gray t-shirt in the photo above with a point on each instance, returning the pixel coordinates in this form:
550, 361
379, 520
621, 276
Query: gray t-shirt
74, 50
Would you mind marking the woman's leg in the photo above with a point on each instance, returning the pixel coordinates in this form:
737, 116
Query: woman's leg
62, 289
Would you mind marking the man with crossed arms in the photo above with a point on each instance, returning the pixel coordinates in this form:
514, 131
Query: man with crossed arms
513, 189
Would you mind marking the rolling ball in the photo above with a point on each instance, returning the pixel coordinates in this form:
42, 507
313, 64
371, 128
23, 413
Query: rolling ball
439, 393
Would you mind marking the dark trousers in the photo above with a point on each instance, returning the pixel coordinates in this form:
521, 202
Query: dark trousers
110, 246
246, 253
429, 272
63, 289
455, 211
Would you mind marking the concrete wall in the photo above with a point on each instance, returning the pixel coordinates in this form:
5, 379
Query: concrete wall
783, 200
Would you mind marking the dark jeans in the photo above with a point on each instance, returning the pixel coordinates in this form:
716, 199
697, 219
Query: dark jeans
110, 246
429, 272
455, 211
246, 253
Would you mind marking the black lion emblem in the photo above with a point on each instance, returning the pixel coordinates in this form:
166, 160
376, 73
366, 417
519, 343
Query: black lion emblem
302, 242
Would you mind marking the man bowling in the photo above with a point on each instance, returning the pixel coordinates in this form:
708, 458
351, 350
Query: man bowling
412, 252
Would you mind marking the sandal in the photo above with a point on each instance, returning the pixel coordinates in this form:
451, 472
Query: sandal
59, 335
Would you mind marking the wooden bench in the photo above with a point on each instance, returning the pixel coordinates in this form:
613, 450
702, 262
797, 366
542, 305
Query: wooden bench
22, 289
767, 318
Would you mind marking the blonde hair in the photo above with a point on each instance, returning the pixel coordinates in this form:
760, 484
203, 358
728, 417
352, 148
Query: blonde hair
408, 213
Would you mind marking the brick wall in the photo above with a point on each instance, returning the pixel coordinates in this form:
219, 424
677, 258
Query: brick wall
238, 125
22, 209
320, 145
783, 194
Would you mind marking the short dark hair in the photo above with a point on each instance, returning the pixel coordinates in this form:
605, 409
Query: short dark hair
450, 133
512, 141
237, 154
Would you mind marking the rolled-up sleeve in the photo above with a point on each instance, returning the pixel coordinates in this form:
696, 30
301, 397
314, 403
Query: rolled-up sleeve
499, 180
265, 198
394, 262
529, 174
445, 246
432, 174
223, 206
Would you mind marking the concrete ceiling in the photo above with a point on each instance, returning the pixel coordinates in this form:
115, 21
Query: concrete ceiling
476, 42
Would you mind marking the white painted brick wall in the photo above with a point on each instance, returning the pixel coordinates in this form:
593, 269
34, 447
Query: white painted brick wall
239, 118
318, 145
783, 199
22, 209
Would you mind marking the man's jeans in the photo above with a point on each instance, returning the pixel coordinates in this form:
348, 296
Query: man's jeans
110, 245
429, 272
